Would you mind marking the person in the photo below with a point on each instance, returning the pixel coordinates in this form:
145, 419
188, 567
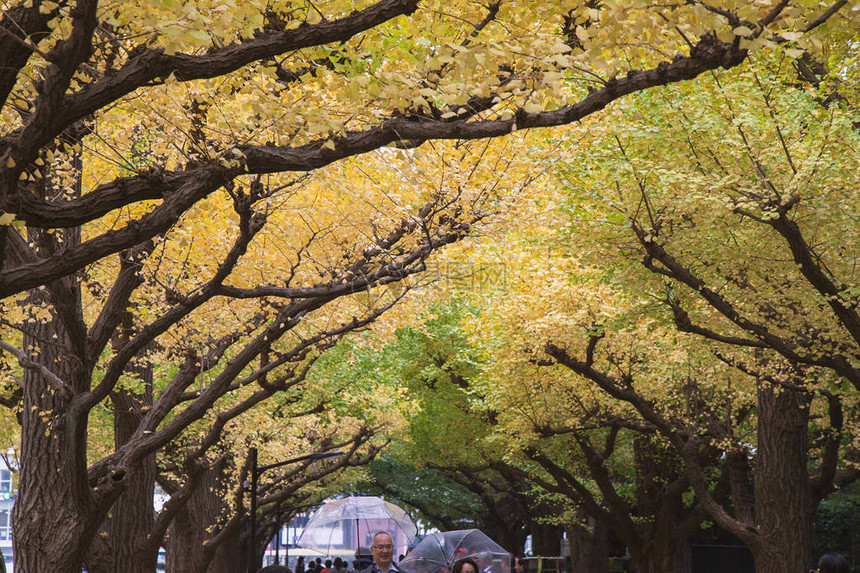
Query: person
300, 564
339, 565
382, 551
327, 568
520, 565
312, 566
465, 565
833, 563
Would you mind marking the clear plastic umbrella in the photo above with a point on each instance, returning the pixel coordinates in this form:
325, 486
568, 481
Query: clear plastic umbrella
438, 552
346, 526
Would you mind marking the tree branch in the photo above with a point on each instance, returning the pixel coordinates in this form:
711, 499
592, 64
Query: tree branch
182, 189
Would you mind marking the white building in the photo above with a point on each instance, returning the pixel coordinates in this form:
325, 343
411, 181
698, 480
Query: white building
7, 500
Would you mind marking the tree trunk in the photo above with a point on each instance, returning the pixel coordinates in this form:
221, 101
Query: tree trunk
124, 544
589, 547
132, 516
661, 556
54, 499
546, 539
54, 517
511, 536
507, 520
231, 555
191, 527
783, 497
661, 544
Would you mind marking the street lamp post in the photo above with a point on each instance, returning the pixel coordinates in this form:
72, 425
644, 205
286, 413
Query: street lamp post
256, 471
278, 528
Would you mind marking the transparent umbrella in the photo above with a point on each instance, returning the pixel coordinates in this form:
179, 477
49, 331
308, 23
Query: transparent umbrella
346, 526
438, 552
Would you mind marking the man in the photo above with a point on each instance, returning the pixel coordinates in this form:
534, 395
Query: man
382, 551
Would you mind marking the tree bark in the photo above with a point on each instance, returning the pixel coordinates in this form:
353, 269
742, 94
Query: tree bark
660, 556
231, 555
784, 502
589, 546
53, 499
191, 528
663, 541
546, 539
132, 516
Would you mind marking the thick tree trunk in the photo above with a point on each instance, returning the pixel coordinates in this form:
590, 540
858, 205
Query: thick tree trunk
546, 539
231, 555
132, 516
47, 513
507, 521
191, 527
589, 547
661, 544
783, 498
661, 556
124, 544
512, 536
54, 499
54, 517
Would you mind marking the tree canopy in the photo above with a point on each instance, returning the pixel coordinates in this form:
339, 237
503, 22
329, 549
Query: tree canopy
199, 199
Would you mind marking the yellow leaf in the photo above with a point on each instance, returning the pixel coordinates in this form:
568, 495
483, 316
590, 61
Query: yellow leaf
10, 163
6, 219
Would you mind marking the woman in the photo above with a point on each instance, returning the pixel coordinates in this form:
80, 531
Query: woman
466, 565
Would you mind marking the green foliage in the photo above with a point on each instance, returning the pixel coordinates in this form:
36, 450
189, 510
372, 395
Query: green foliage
346, 378
437, 364
437, 499
837, 523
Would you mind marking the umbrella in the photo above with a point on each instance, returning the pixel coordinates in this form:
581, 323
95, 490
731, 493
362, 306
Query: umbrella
438, 552
348, 525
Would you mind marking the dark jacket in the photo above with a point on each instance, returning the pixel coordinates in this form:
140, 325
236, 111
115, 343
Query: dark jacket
374, 569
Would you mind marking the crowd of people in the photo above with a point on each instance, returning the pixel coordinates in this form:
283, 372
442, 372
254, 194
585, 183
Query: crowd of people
328, 566
382, 552
382, 561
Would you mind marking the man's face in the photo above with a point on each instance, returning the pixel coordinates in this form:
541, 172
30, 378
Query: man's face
382, 549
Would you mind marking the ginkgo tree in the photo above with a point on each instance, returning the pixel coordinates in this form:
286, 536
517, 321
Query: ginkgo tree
744, 238
602, 466
734, 418
443, 461
161, 206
